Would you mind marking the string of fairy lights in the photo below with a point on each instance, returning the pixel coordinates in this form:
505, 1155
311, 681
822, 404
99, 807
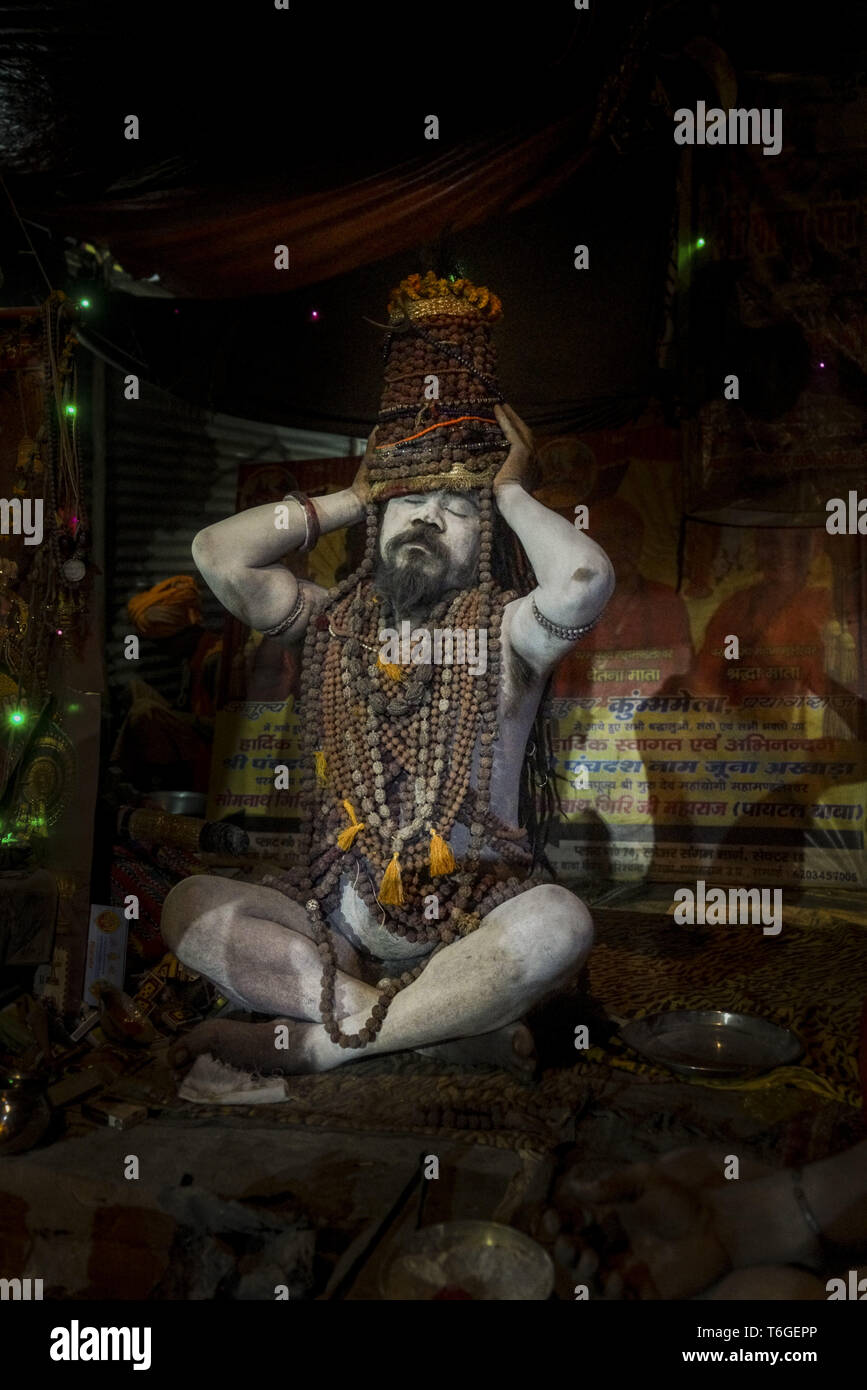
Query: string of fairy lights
43, 583
46, 606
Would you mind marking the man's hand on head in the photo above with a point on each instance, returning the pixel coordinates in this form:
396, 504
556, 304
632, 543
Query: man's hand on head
519, 466
371, 443
361, 484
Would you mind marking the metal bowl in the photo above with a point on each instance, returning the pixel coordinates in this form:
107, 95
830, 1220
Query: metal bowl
25, 1114
712, 1042
180, 803
481, 1260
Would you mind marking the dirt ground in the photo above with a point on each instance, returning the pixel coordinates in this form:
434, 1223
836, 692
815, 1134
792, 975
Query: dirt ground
224, 1205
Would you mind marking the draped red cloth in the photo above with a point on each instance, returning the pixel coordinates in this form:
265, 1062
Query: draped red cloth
219, 245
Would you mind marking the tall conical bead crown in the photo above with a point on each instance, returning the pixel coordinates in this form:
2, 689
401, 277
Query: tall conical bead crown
437, 428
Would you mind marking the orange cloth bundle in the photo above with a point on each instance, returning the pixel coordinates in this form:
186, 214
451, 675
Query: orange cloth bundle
167, 608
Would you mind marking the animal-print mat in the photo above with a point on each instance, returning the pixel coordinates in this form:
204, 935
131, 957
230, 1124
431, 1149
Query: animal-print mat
810, 979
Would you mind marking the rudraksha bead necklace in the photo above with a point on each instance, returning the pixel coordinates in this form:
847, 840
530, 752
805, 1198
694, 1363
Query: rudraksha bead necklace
387, 762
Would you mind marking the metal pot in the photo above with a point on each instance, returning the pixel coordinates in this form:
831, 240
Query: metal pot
179, 803
25, 1114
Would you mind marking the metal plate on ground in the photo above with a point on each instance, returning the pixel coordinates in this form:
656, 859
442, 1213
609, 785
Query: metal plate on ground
712, 1042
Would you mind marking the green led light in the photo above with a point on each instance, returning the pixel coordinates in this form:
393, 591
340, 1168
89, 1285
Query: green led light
84, 303
700, 243
73, 709
70, 410
16, 717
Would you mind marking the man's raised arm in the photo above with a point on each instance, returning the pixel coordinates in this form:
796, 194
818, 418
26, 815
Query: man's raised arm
575, 577
239, 558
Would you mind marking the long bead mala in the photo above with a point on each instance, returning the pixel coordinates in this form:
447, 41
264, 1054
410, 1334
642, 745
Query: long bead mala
381, 746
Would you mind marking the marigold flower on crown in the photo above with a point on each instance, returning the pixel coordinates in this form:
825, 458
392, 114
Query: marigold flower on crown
430, 286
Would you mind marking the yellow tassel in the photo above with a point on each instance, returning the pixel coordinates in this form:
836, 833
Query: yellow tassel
391, 888
442, 861
346, 837
321, 768
391, 669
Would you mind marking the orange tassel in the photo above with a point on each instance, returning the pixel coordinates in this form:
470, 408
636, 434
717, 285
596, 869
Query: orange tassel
391, 888
346, 837
321, 768
442, 861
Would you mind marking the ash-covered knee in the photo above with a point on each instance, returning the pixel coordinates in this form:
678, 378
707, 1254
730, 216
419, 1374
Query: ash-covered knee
553, 934
183, 910
567, 928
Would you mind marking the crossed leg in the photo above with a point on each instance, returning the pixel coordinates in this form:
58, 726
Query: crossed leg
521, 950
257, 945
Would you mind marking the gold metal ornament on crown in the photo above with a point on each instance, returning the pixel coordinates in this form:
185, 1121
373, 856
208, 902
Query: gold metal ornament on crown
435, 308
424, 296
458, 478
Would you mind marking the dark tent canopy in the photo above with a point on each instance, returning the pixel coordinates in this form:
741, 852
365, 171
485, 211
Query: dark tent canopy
553, 132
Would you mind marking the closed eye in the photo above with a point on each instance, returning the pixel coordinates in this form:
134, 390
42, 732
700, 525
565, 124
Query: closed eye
459, 507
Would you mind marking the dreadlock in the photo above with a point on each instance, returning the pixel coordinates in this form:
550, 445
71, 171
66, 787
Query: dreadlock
538, 798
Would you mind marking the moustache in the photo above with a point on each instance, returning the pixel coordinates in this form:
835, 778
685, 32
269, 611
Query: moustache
427, 540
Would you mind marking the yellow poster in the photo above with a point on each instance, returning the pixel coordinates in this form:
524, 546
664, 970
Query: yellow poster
665, 785
256, 763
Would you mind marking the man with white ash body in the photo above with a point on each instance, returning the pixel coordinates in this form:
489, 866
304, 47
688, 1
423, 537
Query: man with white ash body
351, 966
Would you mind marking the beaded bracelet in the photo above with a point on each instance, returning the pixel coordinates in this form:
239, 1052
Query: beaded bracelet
565, 634
287, 621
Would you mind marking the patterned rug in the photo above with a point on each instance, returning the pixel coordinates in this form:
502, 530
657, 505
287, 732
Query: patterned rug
400, 1093
811, 979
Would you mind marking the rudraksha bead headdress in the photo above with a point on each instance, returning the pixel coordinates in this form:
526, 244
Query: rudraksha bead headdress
437, 428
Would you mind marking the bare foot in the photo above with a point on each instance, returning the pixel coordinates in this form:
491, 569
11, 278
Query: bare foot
284, 1045
510, 1048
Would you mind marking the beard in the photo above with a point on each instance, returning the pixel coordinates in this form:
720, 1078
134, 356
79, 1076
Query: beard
414, 580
